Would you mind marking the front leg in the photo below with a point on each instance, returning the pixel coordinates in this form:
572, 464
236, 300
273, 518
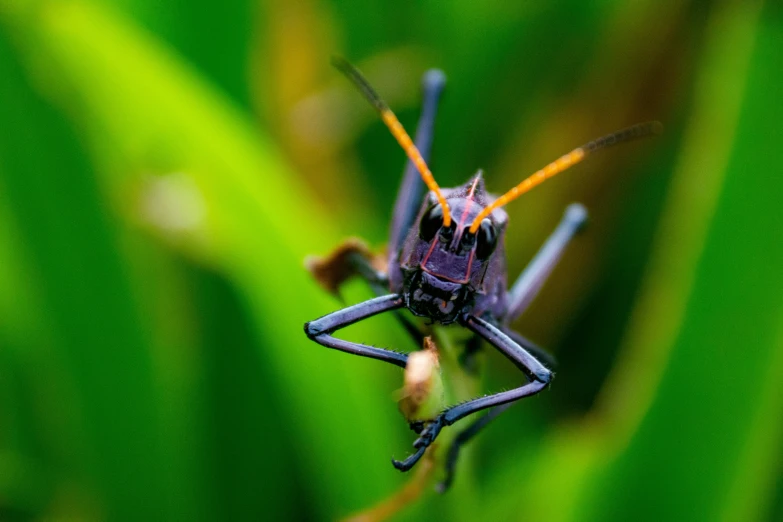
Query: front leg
539, 353
539, 375
464, 436
321, 330
354, 258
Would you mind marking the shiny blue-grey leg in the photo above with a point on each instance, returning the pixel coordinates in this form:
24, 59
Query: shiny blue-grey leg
321, 330
539, 353
464, 436
358, 263
411, 192
533, 277
539, 375
379, 284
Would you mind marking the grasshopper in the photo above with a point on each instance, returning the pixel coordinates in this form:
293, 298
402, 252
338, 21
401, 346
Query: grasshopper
446, 262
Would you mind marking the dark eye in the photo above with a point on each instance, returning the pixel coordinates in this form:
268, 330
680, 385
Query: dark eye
467, 241
447, 233
431, 223
486, 239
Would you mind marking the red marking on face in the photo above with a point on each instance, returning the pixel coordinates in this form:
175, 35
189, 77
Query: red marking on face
429, 252
462, 281
470, 202
461, 227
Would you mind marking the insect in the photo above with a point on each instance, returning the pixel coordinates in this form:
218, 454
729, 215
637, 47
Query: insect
446, 263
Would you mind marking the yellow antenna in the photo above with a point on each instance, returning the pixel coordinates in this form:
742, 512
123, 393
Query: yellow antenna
634, 132
396, 129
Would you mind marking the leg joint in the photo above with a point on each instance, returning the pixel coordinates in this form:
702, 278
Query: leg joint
544, 376
313, 329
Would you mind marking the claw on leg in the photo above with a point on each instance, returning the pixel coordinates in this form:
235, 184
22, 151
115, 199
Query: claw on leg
427, 437
407, 464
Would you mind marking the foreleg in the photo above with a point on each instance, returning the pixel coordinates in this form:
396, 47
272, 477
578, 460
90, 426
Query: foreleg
466, 435
539, 375
321, 330
350, 259
539, 353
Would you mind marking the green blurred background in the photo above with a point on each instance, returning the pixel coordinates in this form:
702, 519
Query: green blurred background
165, 167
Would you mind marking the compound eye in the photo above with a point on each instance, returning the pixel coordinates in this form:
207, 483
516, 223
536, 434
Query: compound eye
467, 241
486, 239
431, 223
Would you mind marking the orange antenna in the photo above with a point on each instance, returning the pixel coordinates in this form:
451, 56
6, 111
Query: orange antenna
640, 130
396, 129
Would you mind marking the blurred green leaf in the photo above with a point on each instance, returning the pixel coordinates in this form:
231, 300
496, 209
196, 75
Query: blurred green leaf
148, 113
85, 299
721, 388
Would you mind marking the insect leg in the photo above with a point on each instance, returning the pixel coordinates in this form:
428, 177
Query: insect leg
473, 346
539, 376
321, 330
379, 284
533, 277
539, 353
471, 431
411, 189
352, 258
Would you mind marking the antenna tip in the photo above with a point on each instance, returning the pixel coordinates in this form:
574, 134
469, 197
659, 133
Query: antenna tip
340, 63
656, 128
434, 80
576, 215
